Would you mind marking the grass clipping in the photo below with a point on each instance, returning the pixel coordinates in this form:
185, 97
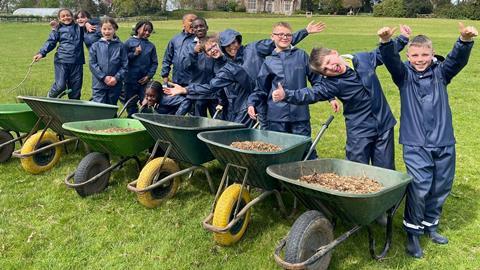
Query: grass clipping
349, 184
257, 146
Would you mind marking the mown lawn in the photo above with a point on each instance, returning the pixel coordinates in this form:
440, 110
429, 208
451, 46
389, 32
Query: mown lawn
47, 226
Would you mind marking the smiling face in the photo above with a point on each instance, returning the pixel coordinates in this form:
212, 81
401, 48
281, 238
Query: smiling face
420, 57
65, 16
144, 31
200, 28
81, 20
232, 48
282, 37
332, 65
212, 49
151, 96
108, 32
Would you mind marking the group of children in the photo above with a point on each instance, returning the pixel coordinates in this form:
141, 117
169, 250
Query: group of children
266, 81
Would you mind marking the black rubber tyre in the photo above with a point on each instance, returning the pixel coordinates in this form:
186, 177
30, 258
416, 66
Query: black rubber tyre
91, 165
7, 150
309, 232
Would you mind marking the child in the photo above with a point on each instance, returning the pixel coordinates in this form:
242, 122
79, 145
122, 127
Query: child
176, 50
108, 64
289, 66
142, 63
69, 58
368, 118
426, 130
91, 26
155, 101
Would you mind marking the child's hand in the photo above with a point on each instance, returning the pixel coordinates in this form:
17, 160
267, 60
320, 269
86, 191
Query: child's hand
467, 33
199, 47
113, 81
37, 57
386, 33
144, 102
175, 90
405, 30
144, 80
54, 25
278, 94
90, 28
313, 27
252, 113
335, 105
138, 50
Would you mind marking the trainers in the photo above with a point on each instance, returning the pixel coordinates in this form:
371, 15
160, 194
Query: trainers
413, 246
437, 238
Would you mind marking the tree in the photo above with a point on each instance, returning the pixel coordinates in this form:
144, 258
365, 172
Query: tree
352, 5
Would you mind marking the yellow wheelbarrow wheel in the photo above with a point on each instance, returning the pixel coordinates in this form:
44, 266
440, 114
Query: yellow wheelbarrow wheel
148, 176
44, 160
224, 213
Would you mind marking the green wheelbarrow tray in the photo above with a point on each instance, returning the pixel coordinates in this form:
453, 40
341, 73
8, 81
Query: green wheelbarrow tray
293, 148
93, 172
360, 210
120, 143
14, 118
17, 117
181, 132
54, 112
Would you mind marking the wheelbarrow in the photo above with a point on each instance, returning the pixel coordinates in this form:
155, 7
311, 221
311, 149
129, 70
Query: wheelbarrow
15, 118
310, 242
93, 172
177, 137
42, 150
230, 211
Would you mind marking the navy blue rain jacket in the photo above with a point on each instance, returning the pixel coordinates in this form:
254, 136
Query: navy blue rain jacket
92, 37
290, 68
253, 54
202, 69
107, 58
366, 109
70, 44
174, 53
144, 64
426, 118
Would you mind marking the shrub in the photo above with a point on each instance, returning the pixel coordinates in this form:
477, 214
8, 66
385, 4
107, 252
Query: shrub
389, 8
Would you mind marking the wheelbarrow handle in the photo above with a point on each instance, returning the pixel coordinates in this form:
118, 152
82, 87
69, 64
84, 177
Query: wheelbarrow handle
319, 135
130, 100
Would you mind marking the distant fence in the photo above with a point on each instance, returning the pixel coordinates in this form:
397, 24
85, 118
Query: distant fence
32, 19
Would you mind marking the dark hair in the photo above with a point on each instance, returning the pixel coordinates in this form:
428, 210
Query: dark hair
155, 85
201, 19
140, 24
82, 13
63, 9
110, 21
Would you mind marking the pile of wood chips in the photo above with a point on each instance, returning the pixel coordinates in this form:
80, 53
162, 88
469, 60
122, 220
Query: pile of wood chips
114, 130
349, 184
257, 146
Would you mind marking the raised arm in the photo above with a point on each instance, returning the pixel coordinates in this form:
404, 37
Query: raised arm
391, 57
457, 59
48, 46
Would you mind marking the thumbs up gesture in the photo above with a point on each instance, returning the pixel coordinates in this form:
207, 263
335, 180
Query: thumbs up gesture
467, 33
278, 94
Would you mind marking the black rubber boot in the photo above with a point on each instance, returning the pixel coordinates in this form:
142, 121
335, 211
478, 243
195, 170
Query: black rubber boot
413, 246
437, 238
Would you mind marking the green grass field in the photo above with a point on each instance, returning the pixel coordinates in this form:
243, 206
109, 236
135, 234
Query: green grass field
44, 225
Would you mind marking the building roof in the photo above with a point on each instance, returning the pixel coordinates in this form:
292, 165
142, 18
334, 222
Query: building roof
36, 11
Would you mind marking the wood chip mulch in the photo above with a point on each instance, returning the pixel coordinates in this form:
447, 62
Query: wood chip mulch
257, 146
349, 184
114, 130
